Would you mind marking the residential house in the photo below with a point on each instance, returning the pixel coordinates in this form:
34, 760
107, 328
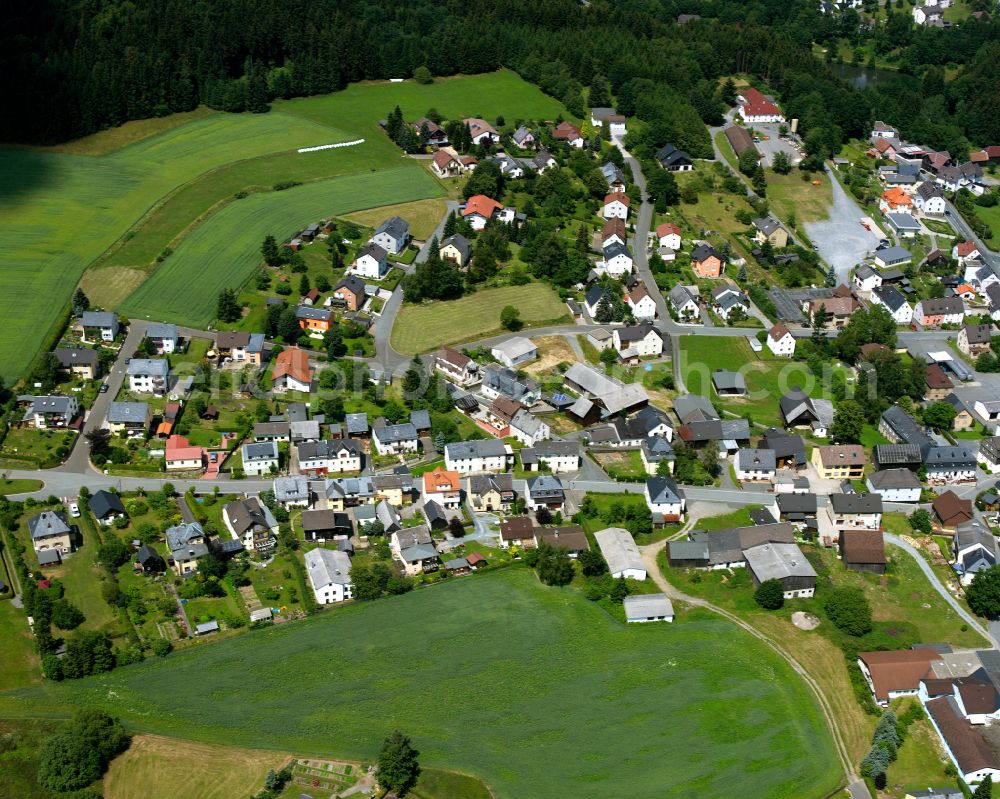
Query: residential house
162, 337
867, 279
849, 512
901, 428
524, 138
317, 458
669, 235
839, 307
570, 537
371, 262
491, 493
106, 507
964, 420
789, 450
683, 303
707, 262
180, 455
250, 521
929, 200
621, 554
643, 608
291, 371
894, 200
545, 491
480, 455
783, 562
99, 326
615, 121
415, 549
443, 487
292, 491
638, 341
446, 164
724, 549
556, 456
938, 311
148, 376
613, 231
839, 461
51, 536
501, 381
797, 509
456, 249
614, 177
988, 455
769, 229
49, 412
392, 235
937, 385
616, 206
895, 485
457, 366
798, 409
480, 209
949, 465
863, 550
601, 395
973, 758
903, 225
617, 260
482, 131
973, 549
186, 545
78, 362
663, 497
515, 351
129, 418
890, 298
430, 131
895, 674
329, 575
566, 132
260, 458
349, 492
755, 465
642, 305
755, 107
951, 510
328, 525
729, 301
395, 439
674, 160
974, 340
528, 428
315, 321
349, 293
780, 341
517, 532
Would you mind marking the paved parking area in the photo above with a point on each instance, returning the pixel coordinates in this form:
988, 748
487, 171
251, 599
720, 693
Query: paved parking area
774, 143
841, 239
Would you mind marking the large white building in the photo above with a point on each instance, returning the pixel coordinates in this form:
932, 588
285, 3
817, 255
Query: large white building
329, 574
621, 553
481, 455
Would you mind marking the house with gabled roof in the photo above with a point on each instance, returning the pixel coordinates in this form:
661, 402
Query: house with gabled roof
755, 107
456, 249
482, 132
568, 133
291, 371
769, 229
707, 262
616, 206
98, 326
780, 341
479, 209
371, 262
892, 299
674, 160
329, 575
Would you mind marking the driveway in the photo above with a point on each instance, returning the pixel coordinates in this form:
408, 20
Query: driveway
841, 240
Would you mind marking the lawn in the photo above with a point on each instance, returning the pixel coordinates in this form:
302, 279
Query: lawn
920, 762
423, 216
767, 379
726, 149
161, 768
789, 195
991, 216
556, 684
225, 249
17, 648
421, 328
23, 486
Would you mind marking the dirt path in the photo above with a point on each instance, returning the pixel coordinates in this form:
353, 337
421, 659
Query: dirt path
649, 553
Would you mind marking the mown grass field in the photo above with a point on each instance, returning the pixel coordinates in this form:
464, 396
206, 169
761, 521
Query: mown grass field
420, 328
422, 215
125, 195
535, 690
792, 197
225, 249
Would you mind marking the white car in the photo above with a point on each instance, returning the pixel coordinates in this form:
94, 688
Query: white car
74, 510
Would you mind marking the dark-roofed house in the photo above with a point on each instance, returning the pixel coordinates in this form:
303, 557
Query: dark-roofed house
518, 531
951, 510
895, 485
974, 340
570, 537
326, 525
740, 140
726, 547
789, 450
457, 249
392, 235
728, 383
891, 675
106, 507
797, 509
149, 560
891, 456
78, 361
664, 498
51, 536
863, 550
973, 549
901, 428
949, 465
545, 491
974, 760
674, 160
251, 522
783, 562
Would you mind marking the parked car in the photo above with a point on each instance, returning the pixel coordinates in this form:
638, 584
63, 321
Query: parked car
74, 510
104, 388
213, 457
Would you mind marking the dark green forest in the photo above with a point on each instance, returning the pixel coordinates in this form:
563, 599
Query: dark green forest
72, 67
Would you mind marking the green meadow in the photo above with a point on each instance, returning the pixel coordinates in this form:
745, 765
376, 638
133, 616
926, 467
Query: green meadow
534, 690
64, 209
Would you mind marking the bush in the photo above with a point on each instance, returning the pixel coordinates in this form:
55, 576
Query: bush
66, 616
162, 647
770, 595
79, 755
849, 610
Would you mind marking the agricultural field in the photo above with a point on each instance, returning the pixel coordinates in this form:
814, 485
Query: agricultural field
423, 216
421, 328
136, 191
553, 733
225, 249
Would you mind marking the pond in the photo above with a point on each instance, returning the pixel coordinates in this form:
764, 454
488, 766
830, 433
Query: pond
860, 76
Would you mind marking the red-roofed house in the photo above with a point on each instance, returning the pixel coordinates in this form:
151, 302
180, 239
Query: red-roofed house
780, 341
568, 133
757, 108
291, 371
669, 235
884, 148
482, 131
895, 199
894, 674
987, 155
963, 250
181, 455
616, 206
479, 209
443, 487
446, 165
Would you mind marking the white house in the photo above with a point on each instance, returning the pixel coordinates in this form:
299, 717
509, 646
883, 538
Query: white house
616, 122
395, 439
317, 458
162, 337
664, 497
528, 428
755, 465
292, 492
616, 206
392, 235
866, 278
329, 575
929, 200
892, 299
988, 455
482, 455
259, 457
482, 132
755, 107
895, 485
622, 555
638, 340
949, 465
669, 235
556, 456
780, 341
101, 325
50, 411
642, 304
149, 376
617, 260
371, 262
515, 351
683, 302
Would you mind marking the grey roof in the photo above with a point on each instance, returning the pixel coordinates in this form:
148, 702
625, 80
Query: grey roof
894, 478
546, 485
680, 296
943, 306
785, 445
98, 319
645, 606
480, 484
248, 514
891, 255
354, 487
703, 251
327, 448
755, 460
516, 347
104, 504
905, 427
122, 412
161, 330
897, 453
420, 419
506, 381
928, 189
694, 408
619, 550
156, 367
949, 456
388, 515
728, 545
890, 297
260, 451
417, 553
796, 504
53, 403
637, 332
356, 423
413, 536
180, 537
328, 567
460, 243
615, 249
549, 449
979, 334
776, 561
688, 550
304, 429
394, 433
477, 448
395, 226
669, 155
271, 430
903, 221
612, 173
311, 312
856, 503
74, 356
767, 224
663, 490
291, 489
47, 523
724, 380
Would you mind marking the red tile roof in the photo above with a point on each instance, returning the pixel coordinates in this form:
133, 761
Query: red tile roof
965, 248
757, 104
292, 362
667, 229
440, 481
482, 205
901, 670
618, 197
564, 131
